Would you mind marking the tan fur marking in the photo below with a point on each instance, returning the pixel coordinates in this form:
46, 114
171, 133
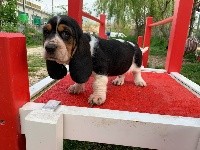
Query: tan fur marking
70, 46
48, 27
62, 27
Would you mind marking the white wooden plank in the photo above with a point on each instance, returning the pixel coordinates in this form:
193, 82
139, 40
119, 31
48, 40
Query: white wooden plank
186, 82
25, 110
129, 128
39, 86
44, 130
153, 70
130, 133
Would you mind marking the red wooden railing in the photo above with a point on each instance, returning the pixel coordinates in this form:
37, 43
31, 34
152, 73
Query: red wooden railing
14, 85
75, 11
178, 34
167, 20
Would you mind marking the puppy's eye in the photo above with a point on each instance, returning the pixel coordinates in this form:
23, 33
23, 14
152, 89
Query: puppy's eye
46, 33
66, 34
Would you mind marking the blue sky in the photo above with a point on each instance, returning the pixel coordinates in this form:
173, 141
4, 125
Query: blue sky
47, 4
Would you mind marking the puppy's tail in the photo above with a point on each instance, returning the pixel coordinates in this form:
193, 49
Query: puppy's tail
144, 49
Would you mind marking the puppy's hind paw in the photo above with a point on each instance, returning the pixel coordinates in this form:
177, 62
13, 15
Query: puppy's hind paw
76, 88
118, 81
140, 82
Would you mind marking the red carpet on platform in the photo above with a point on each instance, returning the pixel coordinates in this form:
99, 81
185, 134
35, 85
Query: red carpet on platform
163, 95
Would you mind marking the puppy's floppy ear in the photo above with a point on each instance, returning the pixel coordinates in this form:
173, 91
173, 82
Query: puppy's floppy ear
80, 66
77, 29
55, 70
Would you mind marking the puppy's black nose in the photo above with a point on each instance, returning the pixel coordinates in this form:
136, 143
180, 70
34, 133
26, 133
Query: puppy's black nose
50, 48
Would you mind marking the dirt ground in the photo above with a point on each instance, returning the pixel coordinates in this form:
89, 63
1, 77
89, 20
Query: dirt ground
35, 77
35, 50
156, 62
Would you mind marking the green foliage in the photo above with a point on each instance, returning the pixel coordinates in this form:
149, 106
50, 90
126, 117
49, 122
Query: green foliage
197, 34
190, 58
33, 37
9, 27
9, 22
131, 38
8, 16
158, 46
133, 13
191, 66
191, 71
35, 63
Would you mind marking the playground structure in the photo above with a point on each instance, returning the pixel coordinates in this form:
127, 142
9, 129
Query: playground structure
44, 129
75, 10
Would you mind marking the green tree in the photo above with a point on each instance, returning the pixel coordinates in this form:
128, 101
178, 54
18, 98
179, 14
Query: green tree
8, 16
132, 13
196, 7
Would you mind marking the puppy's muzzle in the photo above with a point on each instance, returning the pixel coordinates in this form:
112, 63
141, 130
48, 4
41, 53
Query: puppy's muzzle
50, 48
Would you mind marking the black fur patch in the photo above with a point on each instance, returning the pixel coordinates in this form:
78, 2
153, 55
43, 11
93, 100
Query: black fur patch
110, 57
55, 70
80, 66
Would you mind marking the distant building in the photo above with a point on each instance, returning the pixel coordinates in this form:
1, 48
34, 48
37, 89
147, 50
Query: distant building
35, 15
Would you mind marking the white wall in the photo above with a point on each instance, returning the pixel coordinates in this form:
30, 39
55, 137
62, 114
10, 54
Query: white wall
32, 11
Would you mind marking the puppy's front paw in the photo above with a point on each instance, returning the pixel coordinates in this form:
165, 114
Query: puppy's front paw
76, 88
140, 82
96, 99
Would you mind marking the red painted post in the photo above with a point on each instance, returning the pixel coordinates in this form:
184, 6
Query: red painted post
178, 35
14, 89
147, 38
140, 41
102, 28
75, 10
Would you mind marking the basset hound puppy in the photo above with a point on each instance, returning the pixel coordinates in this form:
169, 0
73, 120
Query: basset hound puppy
86, 55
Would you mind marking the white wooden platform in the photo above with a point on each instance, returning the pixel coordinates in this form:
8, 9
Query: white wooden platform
46, 129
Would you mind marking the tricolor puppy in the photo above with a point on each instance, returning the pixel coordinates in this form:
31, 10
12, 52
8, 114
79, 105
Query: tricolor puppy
65, 43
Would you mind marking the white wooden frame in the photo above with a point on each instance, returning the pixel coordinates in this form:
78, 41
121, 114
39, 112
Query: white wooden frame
45, 129
38, 87
191, 86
